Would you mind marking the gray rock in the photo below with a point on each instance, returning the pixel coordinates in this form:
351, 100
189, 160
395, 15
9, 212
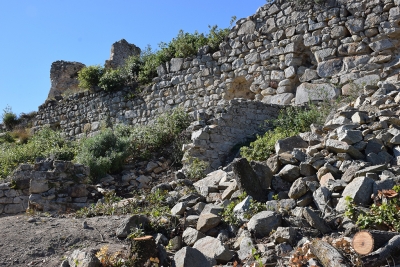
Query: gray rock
263, 223
287, 144
80, 258
285, 235
322, 199
360, 189
350, 137
179, 208
248, 180
135, 221
246, 247
190, 257
298, 189
308, 92
207, 221
330, 68
213, 248
210, 181
263, 172
290, 173
342, 147
315, 221
191, 235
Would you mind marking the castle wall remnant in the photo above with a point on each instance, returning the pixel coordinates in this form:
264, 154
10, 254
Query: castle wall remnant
281, 55
46, 186
120, 51
64, 77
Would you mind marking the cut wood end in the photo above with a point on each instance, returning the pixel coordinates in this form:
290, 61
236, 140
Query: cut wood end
147, 237
363, 243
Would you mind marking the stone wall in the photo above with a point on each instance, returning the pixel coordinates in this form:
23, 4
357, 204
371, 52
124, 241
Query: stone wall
45, 186
280, 55
230, 126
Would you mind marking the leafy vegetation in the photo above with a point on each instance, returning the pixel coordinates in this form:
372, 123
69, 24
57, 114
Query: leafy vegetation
103, 153
385, 212
44, 143
89, 77
290, 122
229, 217
196, 168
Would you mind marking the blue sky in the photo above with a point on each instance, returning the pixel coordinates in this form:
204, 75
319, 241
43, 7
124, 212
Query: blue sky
35, 33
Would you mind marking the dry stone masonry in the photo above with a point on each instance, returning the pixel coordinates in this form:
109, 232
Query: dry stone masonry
46, 186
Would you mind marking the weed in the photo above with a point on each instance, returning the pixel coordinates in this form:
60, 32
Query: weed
383, 213
195, 168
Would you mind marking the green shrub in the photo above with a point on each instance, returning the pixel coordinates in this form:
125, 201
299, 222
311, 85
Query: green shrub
112, 80
196, 168
130, 70
89, 77
103, 153
44, 143
159, 134
290, 122
9, 118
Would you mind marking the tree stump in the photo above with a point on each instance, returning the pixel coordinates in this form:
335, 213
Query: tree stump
381, 255
365, 242
143, 249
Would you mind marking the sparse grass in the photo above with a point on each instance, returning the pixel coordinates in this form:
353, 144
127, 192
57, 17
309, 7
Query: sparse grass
43, 144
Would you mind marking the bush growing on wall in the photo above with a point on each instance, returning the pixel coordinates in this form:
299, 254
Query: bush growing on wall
89, 77
112, 80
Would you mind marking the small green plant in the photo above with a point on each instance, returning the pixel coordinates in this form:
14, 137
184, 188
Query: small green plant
350, 211
89, 77
136, 232
257, 257
385, 212
196, 168
9, 118
229, 217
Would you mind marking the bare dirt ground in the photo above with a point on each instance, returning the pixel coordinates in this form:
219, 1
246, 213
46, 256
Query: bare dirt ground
46, 241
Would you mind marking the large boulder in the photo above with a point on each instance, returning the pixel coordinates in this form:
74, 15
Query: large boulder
135, 221
80, 258
248, 180
309, 91
263, 223
190, 257
212, 248
360, 190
